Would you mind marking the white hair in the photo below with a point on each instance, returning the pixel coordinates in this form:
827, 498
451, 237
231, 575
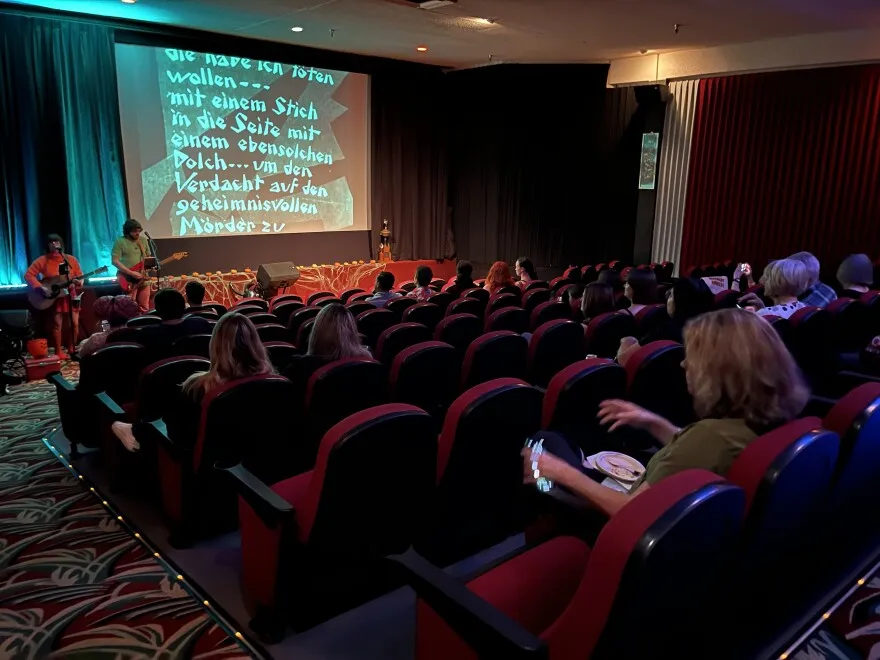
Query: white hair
809, 260
786, 277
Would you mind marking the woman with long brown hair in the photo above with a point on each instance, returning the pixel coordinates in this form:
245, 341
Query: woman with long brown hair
498, 277
236, 352
744, 383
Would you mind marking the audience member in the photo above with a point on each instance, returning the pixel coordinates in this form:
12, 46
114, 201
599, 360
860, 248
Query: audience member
334, 337
525, 271
784, 281
687, 299
615, 281
423, 278
382, 293
170, 307
463, 281
116, 311
598, 299
641, 289
195, 294
856, 275
744, 383
817, 293
236, 352
498, 277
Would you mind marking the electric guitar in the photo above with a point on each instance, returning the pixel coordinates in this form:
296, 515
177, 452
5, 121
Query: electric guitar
127, 282
52, 288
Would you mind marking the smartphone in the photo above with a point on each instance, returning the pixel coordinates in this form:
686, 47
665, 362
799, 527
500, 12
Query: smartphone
542, 483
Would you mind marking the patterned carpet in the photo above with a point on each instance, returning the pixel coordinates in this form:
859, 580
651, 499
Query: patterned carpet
74, 583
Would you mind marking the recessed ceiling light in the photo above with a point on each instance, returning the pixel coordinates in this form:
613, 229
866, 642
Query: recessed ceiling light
486, 21
296, 29
129, 2
422, 49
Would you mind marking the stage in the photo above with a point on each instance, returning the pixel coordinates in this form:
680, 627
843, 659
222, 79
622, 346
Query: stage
222, 287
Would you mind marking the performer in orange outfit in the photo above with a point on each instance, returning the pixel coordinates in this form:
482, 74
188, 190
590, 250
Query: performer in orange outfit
50, 265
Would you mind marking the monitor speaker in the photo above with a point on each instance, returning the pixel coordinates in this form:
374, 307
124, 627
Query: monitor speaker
16, 323
277, 275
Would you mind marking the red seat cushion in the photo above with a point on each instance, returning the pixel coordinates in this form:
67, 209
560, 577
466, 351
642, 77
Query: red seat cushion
534, 589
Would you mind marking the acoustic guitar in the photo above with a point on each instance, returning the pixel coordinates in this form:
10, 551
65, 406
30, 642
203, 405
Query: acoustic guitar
52, 288
127, 282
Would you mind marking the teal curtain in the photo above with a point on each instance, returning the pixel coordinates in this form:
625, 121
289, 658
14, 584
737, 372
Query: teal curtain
61, 159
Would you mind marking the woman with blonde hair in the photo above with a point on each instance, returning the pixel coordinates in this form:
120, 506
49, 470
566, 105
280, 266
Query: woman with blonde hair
236, 352
784, 282
744, 383
334, 337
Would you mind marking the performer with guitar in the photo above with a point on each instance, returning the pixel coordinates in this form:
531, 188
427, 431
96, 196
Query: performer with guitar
48, 271
129, 254
132, 257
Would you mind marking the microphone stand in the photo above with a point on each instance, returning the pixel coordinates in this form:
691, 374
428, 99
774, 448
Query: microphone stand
158, 267
70, 302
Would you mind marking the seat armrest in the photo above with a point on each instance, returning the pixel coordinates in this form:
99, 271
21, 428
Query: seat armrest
158, 433
486, 630
107, 406
265, 502
60, 382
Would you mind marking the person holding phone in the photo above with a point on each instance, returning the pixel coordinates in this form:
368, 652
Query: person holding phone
744, 383
784, 282
742, 278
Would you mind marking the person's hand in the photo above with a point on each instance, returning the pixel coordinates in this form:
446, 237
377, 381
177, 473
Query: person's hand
623, 413
549, 467
751, 300
747, 270
628, 346
137, 275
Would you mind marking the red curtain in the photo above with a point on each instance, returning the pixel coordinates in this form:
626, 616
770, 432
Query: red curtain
782, 162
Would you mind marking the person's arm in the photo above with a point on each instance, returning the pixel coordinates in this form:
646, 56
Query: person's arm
623, 413
606, 500
36, 268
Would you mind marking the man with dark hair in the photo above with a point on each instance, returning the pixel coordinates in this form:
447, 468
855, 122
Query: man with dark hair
463, 279
383, 293
195, 294
128, 255
51, 265
423, 278
170, 307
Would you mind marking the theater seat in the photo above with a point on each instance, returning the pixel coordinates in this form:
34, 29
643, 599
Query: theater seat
657, 381
142, 321
650, 319
359, 307
479, 469
299, 317
536, 284
281, 299
323, 302
500, 301
459, 331
192, 345
318, 295
442, 300
850, 324
348, 293
554, 346
513, 319
303, 335
856, 420
428, 314
810, 344
313, 545
512, 289
426, 375
217, 307
372, 323
604, 333
534, 297
501, 354
477, 292
637, 593
399, 305
727, 299
251, 302
466, 306
263, 318
571, 404
280, 353
557, 283
272, 332
334, 392
786, 475
359, 297
548, 311
398, 337
196, 500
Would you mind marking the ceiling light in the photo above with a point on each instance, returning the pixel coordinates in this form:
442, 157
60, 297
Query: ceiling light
486, 21
296, 29
422, 49
129, 2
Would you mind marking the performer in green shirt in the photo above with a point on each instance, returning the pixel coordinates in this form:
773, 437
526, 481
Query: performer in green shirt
129, 253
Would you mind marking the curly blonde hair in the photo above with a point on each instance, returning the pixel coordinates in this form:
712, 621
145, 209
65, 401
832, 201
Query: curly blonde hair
738, 367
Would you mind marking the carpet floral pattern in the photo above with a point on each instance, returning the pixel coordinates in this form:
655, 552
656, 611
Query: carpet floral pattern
74, 583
